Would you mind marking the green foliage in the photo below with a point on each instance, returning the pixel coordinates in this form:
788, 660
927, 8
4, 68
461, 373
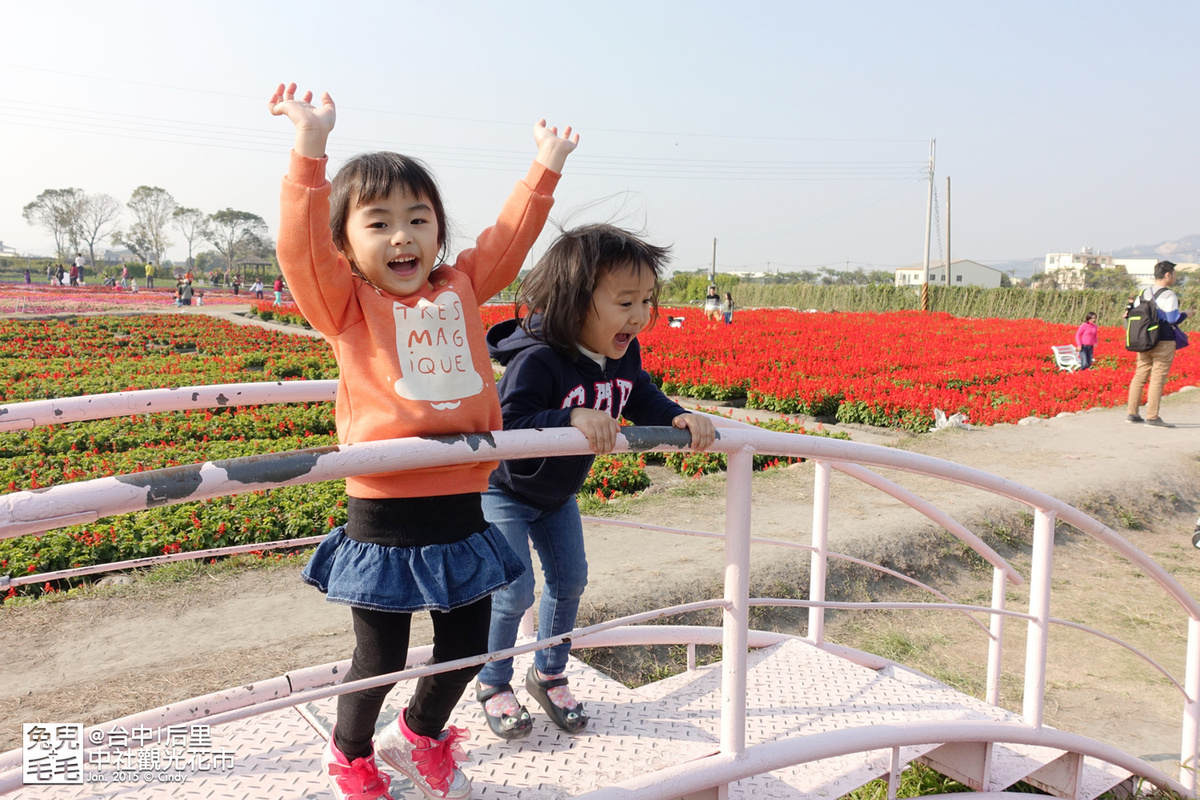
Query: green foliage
917, 780
866, 414
54, 455
695, 465
1066, 306
686, 288
614, 475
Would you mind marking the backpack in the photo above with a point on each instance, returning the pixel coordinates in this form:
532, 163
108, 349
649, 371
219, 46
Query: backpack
1141, 323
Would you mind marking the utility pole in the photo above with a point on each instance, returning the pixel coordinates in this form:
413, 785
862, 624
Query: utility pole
949, 260
712, 273
928, 231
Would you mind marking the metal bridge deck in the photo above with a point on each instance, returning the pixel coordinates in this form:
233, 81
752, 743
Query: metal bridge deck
792, 690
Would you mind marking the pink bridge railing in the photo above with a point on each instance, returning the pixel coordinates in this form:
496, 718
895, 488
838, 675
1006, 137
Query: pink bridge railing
30, 512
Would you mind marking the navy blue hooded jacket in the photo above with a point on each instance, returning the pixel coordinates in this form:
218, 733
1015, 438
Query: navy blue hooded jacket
540, 387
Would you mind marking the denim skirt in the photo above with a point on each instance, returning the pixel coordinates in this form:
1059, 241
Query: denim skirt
435, 577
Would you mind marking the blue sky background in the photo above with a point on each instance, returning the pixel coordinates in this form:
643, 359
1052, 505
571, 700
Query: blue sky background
795, 133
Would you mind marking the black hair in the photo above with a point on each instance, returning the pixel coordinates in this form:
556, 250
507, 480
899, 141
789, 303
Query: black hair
1162, 269
374, 176
560, 286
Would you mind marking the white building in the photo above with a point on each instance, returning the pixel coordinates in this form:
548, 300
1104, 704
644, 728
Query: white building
1140, 269
1068, 268
962, 273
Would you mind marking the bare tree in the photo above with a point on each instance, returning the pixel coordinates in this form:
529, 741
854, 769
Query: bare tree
152, 209
58, 211
190, 222
98, 219
235, 233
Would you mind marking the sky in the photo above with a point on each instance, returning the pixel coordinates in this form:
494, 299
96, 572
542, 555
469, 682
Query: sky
797, 135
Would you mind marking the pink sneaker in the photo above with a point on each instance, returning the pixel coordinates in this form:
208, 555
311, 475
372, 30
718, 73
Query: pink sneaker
431, 764
359, 779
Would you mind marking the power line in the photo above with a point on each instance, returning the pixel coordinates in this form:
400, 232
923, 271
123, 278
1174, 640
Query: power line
155, 129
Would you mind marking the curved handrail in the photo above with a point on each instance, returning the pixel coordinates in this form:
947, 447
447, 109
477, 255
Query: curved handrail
43, 509
966, 608
34, 511
808, 548
29, 414
722, 768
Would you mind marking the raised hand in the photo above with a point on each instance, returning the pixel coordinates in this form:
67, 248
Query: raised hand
552, 148
313, 123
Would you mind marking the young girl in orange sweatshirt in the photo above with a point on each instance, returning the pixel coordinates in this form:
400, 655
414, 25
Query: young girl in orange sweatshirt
363, 260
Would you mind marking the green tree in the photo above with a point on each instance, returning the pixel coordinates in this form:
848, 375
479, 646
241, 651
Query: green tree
208, 260
190, 222
152, 209
57, 211
236, 234
97, 219
1114, 278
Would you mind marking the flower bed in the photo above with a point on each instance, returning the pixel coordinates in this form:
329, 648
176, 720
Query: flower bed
891, 369
20, 298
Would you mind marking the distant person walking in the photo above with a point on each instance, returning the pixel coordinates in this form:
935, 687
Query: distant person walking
712, 303
1085, 339
185, 293
727, 308
278, 291
149, 274
28, 277
258, 288
77, 280
1155, 364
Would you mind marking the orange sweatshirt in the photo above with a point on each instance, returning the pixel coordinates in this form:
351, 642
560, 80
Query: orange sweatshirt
415, 365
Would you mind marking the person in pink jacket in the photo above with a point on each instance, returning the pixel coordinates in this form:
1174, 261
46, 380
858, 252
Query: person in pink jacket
1085, 339
363, 257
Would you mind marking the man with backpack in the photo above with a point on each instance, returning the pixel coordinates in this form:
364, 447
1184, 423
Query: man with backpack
1161, 306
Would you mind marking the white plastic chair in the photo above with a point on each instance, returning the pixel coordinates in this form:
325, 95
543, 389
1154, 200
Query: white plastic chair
1066, 357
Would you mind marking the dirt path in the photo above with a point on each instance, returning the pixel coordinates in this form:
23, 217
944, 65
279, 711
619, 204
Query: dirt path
128, 648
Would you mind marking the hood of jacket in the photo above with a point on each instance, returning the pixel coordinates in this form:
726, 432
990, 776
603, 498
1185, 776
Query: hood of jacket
506, 339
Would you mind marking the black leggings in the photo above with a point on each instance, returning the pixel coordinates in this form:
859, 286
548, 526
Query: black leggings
381, 646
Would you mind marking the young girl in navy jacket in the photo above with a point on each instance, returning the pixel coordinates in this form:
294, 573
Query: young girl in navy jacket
574, 361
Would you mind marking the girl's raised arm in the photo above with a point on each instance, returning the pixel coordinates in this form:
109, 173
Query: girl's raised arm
313, 123
552, 148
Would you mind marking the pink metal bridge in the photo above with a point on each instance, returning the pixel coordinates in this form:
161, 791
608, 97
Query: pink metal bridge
779, 716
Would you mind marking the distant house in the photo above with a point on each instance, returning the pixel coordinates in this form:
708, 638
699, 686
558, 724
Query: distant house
1068, 268
7, 251
1140, 269
120, 256
963, 272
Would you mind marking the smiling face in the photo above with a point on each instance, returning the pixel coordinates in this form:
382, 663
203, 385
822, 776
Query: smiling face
622, 305
394, 241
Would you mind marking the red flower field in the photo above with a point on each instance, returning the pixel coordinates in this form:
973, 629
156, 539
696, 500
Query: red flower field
890, 369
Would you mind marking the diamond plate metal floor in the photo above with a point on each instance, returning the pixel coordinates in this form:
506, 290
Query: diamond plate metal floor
792, 690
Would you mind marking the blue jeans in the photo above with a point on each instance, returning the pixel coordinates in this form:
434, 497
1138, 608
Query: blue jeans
1085, 355
558, 538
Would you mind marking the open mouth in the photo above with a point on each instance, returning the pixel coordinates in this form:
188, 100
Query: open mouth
623, 339
403, 265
